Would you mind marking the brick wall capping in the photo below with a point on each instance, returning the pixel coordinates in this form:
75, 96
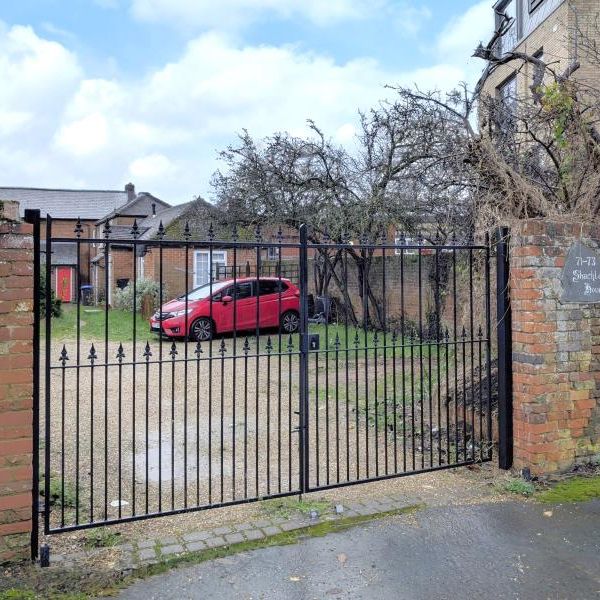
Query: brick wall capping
9, 211
567, 226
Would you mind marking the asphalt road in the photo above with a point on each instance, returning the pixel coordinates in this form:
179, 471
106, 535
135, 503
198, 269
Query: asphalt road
507, 550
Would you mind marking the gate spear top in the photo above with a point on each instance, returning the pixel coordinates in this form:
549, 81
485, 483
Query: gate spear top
64, 357
93, 355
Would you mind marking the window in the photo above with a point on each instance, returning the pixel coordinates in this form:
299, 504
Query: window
267, 286
507, 92
203, 292
534, 4
202, 264
272, 253
509, 40
406, 241
507, 105
538, 71
240, 291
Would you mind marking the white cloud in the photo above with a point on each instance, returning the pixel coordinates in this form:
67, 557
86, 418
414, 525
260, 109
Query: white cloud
462, 34
112, 4
84, 137
410, 19
13, 120
62, 127
153, 166
233, 14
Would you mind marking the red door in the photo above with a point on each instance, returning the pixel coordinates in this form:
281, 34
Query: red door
64, 283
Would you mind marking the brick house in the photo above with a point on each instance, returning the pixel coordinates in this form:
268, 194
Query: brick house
66, 207
546, 29
194, 263
120, 222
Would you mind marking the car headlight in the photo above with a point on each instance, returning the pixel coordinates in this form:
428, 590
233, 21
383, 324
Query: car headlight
180, 313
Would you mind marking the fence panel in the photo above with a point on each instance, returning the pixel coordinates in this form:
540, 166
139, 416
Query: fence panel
187, 374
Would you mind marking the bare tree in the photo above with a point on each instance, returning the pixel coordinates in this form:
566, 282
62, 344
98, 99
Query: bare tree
397, 177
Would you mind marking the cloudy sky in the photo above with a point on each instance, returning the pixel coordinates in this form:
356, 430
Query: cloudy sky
95, 93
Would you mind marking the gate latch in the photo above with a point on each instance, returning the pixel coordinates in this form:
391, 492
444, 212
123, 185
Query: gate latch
313, 341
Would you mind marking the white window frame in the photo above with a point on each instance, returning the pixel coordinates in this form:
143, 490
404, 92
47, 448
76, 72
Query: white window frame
215, 261
511, 38
272, 252
407, 241
533, 5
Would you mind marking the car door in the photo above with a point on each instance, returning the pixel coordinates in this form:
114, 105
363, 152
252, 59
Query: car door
269, 302
244, 304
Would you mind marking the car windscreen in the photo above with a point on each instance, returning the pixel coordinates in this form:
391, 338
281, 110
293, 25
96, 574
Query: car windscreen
204, 291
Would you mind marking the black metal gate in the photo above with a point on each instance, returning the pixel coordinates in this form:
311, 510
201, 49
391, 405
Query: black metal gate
282, 364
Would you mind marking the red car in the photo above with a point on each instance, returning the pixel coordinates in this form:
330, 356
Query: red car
277, 305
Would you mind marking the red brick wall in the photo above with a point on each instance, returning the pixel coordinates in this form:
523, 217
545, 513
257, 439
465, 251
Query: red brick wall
66, 228
556, 353
16, 359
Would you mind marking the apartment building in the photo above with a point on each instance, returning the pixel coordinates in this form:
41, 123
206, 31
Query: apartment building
548, 29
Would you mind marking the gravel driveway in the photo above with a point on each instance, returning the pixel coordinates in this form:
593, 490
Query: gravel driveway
157, 436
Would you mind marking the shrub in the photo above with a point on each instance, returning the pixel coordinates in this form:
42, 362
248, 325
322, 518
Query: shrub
55, 303
520, 487
123, 298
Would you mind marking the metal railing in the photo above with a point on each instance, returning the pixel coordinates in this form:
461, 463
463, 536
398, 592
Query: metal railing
239, 397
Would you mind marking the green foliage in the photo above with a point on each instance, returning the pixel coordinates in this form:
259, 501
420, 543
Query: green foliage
123, 299
557, 100
120, 325
287, 507
56, 493
14, 594
23, 594
519, 487
55, 303
577, 489
102, 538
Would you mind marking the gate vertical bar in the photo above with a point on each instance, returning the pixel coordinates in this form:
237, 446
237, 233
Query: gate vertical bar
303, 432
504, 318
47, 316
32, 216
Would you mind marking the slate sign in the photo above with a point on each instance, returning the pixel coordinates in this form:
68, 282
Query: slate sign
581, 275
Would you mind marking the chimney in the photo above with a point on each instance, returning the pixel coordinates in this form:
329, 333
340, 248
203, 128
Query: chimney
130, 189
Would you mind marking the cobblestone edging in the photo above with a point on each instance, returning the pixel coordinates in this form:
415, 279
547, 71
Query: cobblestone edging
147, 552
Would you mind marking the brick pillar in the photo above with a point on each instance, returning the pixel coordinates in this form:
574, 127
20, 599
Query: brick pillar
556, 352
16, 374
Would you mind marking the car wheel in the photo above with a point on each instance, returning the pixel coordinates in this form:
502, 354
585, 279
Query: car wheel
290, 321
201, 330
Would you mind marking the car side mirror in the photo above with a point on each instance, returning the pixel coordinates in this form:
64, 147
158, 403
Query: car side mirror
226, 299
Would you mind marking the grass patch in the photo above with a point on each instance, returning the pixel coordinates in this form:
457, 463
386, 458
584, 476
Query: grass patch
56, 493
519, 487
17, 594
102, 538
92, 323
577, 489
287, 507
